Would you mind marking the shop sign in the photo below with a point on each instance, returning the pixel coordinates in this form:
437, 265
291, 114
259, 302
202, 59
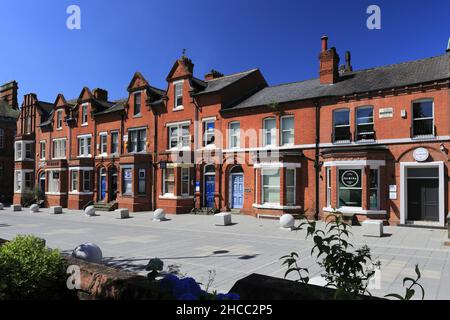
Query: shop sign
350, 178
421, 154
386, 113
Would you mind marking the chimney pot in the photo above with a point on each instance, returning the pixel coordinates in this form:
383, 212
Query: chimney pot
324, 43
100, 94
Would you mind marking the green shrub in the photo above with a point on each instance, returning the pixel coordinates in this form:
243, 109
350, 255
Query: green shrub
28, 198
30, 271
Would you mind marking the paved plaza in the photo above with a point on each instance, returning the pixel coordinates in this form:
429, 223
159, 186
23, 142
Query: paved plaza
192, 245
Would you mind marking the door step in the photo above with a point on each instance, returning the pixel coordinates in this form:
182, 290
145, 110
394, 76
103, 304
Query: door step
101, 206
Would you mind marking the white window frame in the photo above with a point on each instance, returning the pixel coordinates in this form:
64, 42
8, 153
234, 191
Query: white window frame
418, 136
293, 187
57, 153
42, 150
185, 192
85, 148
177, 94
54, 184
328, 186
138, 140
112, 134
28, 153
87, 173
84, 115
234, 133
125, 192
342, 126
349, 188
164, 191
377, 189
59, 119
269, 133
18, 149
180, 137
103, 143
135, 95
207, 134
366, 123
263, 187
283, 130
74, 180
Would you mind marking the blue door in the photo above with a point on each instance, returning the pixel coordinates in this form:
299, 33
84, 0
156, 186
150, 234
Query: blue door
103, 188
237, 185
209, 191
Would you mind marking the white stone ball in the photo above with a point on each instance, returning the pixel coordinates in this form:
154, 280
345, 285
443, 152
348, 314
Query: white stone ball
159, 214
88, 252
90, 211
34, 208
2, 206
287, 221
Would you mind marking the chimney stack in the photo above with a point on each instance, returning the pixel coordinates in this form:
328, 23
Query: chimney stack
329, 63
8, 93
100, 94
213, 74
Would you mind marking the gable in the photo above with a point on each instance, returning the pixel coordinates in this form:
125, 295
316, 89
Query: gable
137, 82
182, 68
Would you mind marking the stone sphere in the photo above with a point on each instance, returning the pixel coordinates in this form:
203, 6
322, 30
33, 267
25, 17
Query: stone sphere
34, 208
2, 206
90, 211
88, 252
159, 214
287, 221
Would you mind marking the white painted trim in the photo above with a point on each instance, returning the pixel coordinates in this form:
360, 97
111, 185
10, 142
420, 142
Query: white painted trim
172, 197
103, 133
76, 193
178, 82
404, 189
355, 163
56, 169
81, 169
126, 166
135, 129
172, 124
274, 165
56, 193
275, 206
209, 119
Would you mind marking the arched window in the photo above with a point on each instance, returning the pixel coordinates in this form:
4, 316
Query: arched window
237, 169
210, 169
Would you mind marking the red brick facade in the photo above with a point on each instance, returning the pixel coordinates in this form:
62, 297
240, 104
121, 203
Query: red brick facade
211, 143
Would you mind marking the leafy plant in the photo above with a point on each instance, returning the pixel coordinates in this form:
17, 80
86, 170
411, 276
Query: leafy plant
410, 291
155, 266
28, 198
292, 265
30, 271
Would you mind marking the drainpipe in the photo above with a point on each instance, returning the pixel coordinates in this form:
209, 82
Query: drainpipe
154, 164
317, 161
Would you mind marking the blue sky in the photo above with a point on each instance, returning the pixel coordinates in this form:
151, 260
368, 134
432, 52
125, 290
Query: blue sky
282, 38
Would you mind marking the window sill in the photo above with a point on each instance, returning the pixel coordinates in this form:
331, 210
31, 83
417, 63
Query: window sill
76, 193
173, 197
424, 137
354, 210
84, 124
137, 116
84, 157
275, 206
179, 108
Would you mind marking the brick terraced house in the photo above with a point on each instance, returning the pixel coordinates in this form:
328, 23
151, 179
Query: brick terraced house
372, 143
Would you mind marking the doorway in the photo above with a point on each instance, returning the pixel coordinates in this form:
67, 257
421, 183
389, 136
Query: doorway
102, 184
237, 188
423, 194
210, 186
114, 182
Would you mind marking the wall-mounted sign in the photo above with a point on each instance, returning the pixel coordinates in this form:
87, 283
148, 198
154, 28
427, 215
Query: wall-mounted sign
393, 188
197, 186
392, 195
125, 138
421, 154
350, 178
163, 165
248, 190
386, 113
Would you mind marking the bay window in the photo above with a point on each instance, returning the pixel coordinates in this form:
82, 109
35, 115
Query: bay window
53, 181
185, 181
178, 89
234, 135
350, 188
168, 181
423, 118
269, 132
179, 136
364, 124
127, 181
73, 180
86, 181
18, 151
137, 140
341, 126
18, 181
290, 186
287, 131
271, 186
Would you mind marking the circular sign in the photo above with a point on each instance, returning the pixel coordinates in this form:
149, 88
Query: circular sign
421, 154
350, 178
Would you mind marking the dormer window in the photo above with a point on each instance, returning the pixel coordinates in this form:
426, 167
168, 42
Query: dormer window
137, 104
84, 115
59, 120
178, 88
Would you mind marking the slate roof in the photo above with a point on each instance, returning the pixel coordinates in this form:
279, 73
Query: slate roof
222, 82
116, 106
386, 77
7, 112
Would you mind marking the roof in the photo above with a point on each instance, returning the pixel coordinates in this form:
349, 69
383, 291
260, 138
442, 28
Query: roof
380, 78
116, 106
6, 111
218, 84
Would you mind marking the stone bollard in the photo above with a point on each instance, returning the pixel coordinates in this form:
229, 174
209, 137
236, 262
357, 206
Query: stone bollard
16, 207
287, 222
2, 206
123, 213
159, 215
56, 210
90, 211
34, 208
88, 252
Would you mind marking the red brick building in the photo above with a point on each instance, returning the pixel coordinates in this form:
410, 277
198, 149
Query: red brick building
9, 113
372, 143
